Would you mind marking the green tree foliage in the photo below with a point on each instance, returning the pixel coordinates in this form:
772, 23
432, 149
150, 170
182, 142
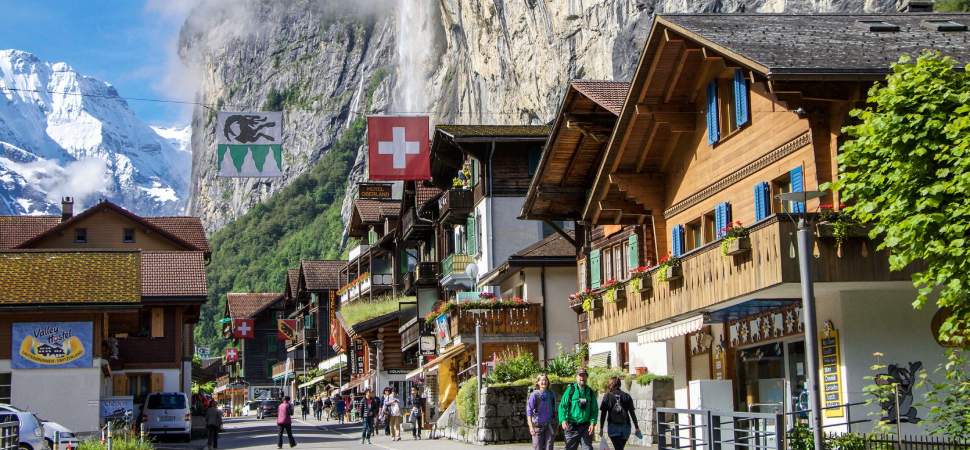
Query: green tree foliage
947, 396
514, 365
467, 402
906, 171
952, 6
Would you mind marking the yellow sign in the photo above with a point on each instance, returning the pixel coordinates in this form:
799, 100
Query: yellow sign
831, 354
34, 351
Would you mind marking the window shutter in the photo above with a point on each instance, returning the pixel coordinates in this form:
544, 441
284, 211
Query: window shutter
677, 241
741, 99
633, 252
594, 269
534, 154
403, 264
119, 384
795, 176
474, 180
765, 199
727, 214
718, 220
759, 212
157, 382
713, 132
158, 322
470, 236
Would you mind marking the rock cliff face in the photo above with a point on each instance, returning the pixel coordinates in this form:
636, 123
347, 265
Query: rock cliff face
461, 61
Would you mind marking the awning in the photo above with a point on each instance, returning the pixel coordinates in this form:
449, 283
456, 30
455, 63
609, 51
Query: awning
354, 383
313, 382
332, 363
444, 356
672, 330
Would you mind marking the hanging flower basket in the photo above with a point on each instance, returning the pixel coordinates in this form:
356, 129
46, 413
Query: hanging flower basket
640, 282
669, 268
736, 246
578, 299
592, 303
672, 273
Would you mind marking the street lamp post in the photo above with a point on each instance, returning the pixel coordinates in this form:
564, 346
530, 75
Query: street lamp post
478, 351
804, 236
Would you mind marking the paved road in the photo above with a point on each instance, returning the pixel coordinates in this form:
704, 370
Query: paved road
249, 433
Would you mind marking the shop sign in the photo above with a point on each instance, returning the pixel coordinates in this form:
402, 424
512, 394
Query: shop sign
427, 345
51, 345
397, 371
116, 408
766, 326
441, 330
830, 352
374, 191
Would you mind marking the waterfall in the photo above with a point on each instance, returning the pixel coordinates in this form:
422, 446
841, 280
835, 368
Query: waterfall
414, 42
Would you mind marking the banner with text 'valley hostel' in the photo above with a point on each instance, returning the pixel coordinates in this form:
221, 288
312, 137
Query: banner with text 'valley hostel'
398, 148
249, 144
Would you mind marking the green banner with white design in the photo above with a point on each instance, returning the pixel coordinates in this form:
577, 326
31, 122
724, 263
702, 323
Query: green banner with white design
249, 144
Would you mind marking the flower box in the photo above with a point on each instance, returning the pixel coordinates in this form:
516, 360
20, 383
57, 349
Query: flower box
576, 304
641, 283
737, 246
828, 230
673, 273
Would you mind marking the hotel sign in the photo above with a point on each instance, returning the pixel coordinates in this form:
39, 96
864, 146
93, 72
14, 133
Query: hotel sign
374, 191
51, 345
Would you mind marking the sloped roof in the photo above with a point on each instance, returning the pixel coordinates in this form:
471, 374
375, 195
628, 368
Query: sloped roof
15, 230
553, 246
609, 94
322, 275
467, 131
74, 276
376, 210
424, 194
293, 280
822, 43
188, 229
173, 274
246, 305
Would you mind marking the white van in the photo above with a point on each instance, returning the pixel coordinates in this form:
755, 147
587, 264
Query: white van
168, 414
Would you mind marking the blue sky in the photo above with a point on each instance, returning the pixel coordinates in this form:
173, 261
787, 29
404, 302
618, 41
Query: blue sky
128, 43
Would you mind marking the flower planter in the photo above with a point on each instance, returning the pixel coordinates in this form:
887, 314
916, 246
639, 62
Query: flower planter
673, 273
641, 284
576, 305
737, 246
852, 230
620, 295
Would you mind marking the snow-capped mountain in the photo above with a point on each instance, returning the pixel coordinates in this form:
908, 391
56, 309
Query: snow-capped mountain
56, 142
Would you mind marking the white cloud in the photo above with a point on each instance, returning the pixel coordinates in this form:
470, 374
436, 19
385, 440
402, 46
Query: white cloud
81, 179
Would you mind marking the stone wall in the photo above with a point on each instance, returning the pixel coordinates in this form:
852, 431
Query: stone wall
501, 415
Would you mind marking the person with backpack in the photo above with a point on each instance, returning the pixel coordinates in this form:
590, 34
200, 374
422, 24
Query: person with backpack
616, 412
340, 406
392, 413
284, 422
318, 408
577, 413
540, 411
370, 407
416, 404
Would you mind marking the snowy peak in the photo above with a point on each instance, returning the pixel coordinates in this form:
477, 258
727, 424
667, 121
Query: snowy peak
64, 133
180, 138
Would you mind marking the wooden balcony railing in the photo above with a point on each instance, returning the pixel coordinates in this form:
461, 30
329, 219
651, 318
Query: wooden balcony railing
710, 278
511, 321
455, 263
413, 228
455, 205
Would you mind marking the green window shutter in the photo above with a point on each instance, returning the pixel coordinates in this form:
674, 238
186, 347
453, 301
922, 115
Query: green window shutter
470, 239
403, 261
371, 236
271, 343
534, 155
474, 180
594, 269
633, 253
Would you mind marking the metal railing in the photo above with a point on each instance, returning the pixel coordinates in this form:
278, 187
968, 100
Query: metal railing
717, 430
455, 263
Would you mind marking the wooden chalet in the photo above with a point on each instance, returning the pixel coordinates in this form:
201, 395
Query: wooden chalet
262, 361
723, 114
312, 300
136, 283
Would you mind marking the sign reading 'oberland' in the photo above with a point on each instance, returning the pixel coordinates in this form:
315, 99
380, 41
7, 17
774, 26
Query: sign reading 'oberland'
249, 144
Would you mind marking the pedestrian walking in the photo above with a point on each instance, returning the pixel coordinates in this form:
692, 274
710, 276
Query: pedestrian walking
383, 419
370, 407
393, 413
284, 422
616, 412
213, 424
577, 413
340, 405
318, 408
416, 407
540, 411
305, 408
327, 407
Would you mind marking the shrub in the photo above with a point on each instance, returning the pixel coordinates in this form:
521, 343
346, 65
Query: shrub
514, 365
565, 364
468, 402
648, 378
599, 376
121, 441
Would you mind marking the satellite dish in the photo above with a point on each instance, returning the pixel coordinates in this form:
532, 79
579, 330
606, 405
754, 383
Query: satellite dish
472, 271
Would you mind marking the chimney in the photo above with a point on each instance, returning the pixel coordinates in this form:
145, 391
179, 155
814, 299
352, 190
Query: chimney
67, 208
914, 6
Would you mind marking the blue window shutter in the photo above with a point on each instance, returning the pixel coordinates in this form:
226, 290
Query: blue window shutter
594, 269
759, 211
741, 99
725, 218
713, 131
765, 199
677, 240
718, 220
797, 185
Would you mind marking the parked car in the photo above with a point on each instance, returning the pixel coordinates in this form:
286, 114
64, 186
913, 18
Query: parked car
252, 408
268, 409
31, 428
51, 430
168, 414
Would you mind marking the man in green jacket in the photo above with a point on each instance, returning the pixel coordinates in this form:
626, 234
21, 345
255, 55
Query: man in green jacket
577, 411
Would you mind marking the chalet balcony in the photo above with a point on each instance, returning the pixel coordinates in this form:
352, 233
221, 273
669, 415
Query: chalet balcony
136, 350
711, 281
280, 369
455, 205
453, 271
363, 284
357, 251
414, 228
505, 324
424, 274
410, 331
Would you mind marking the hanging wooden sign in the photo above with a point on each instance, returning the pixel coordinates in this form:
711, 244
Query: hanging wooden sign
831, 354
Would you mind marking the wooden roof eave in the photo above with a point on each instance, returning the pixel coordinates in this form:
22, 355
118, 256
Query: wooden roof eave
530, 198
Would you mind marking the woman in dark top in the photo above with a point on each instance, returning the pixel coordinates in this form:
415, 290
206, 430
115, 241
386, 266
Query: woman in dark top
616, 413
416, 407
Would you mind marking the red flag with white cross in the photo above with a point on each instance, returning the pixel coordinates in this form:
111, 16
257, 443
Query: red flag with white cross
398, 148
243, 328
232, 355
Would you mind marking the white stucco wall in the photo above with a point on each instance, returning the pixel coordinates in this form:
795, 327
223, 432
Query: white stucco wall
70, 397
653, 356
561, 326
502, 232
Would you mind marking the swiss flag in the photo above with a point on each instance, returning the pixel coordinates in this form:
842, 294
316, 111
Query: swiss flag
398, 148
232, 355
243, 328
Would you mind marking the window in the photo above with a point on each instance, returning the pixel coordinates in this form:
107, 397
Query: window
139, 386
128, 235
789, 182
619, 262
5, 388
607, 264
728, 106
581, 271
709, 222
80, 235
535, 153
693, 235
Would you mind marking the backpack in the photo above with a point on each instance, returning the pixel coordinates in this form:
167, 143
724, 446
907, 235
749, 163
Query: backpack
617, 413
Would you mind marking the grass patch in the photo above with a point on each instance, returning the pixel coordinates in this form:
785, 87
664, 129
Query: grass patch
363, 310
